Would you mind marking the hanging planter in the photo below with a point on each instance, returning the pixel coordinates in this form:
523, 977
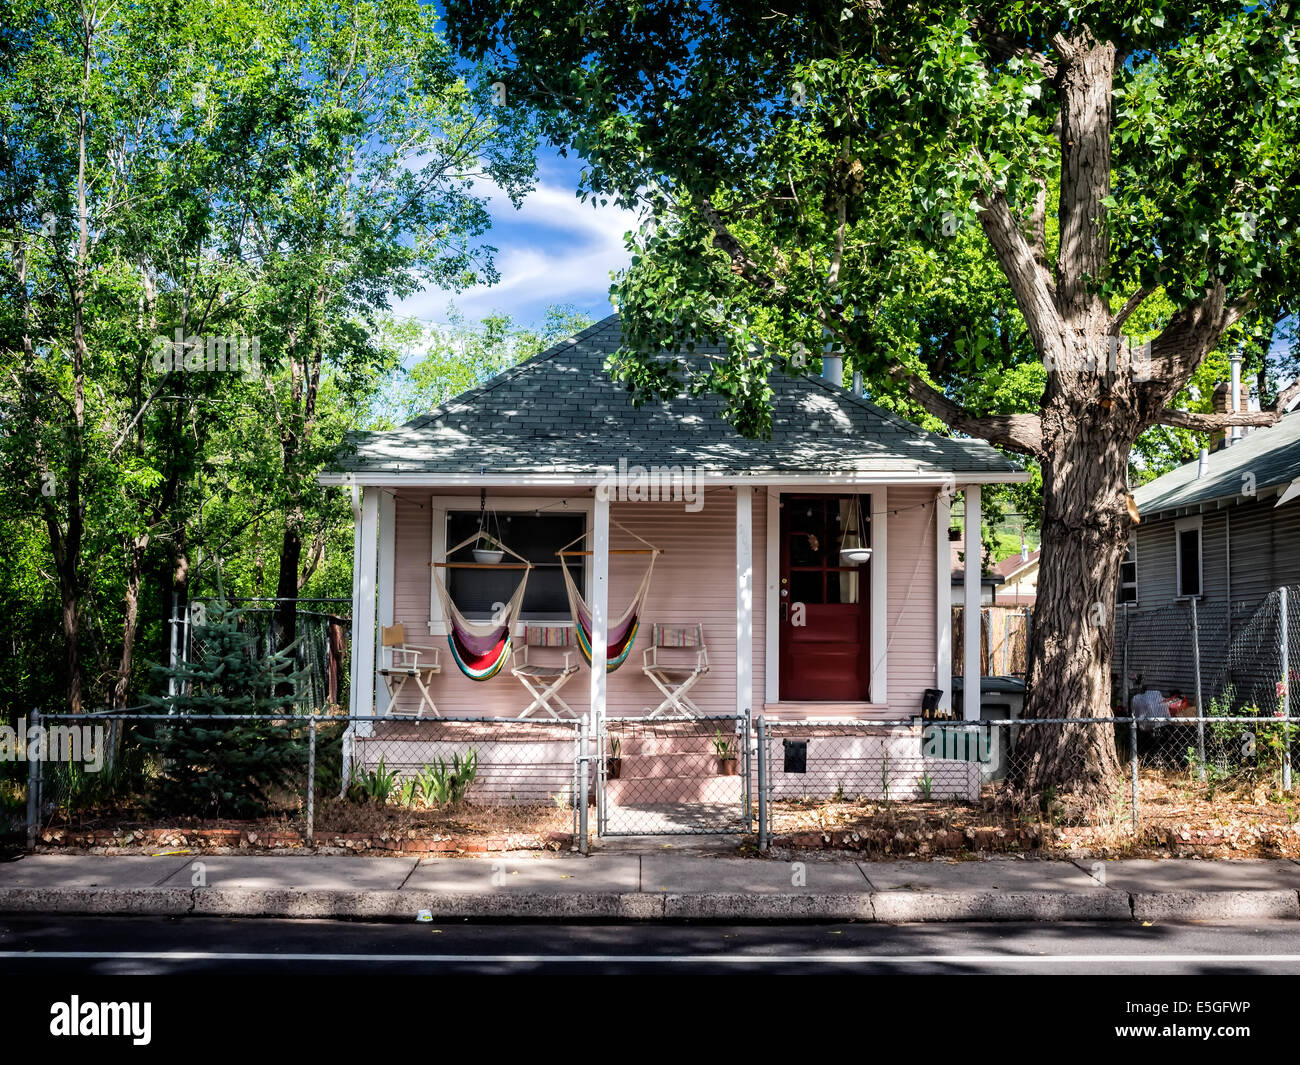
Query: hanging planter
488, 553
488, 549
855, 554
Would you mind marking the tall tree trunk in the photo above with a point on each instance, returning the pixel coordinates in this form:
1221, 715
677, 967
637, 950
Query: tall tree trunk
286, 588
135, 549
1085, 531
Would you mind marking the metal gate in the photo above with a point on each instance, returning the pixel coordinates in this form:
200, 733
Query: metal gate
662, 776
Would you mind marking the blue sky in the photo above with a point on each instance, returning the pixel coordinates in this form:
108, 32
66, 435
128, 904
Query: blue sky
555, 249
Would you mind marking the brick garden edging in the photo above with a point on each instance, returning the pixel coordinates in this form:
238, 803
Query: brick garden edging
1238, 842
142, 840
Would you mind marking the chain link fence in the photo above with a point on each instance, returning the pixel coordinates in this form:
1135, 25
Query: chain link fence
321, 654
1206, 774
674, 776
1214, 657
324, 777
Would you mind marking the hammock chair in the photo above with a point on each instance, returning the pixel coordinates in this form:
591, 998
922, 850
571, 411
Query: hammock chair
480, 649
621, 632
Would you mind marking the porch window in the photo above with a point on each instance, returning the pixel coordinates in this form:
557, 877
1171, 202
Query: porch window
819, 528
1128, 574
1188, 537
534, 535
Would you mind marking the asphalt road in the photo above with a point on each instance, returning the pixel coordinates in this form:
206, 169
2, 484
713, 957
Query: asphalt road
112, 946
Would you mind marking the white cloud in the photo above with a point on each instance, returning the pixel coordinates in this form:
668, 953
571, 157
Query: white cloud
554, 249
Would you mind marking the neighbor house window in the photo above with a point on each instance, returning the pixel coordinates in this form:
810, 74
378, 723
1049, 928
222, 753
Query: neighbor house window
1128, 573
1188, 537
536, 535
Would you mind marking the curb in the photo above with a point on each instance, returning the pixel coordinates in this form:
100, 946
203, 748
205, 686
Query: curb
882, 906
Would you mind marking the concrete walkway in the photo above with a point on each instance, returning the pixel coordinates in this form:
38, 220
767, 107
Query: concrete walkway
653, 886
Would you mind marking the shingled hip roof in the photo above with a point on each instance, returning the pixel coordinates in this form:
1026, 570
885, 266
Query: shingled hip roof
559, 414
1263, 458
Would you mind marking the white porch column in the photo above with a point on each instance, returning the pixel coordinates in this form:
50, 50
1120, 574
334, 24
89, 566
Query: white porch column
599, 602
384, 580
879, 567
971, 614
943, 600
744, 599
362, 700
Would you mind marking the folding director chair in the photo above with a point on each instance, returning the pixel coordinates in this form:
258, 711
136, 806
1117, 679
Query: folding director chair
545, 679
675, 662
404, 663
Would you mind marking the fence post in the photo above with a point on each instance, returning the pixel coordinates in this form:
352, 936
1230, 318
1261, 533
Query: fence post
584, 739
1124, 680
1284, 636
747, 724
1200, 708
762, 784
311, 780
33, 786
1133, 763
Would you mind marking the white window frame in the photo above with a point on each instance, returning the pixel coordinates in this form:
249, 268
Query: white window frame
441, 506
1181, 526
1133, 546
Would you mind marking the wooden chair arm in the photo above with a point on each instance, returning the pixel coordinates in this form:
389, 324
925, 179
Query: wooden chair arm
412, 656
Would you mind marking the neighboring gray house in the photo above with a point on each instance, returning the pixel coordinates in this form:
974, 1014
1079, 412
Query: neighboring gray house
1222, 532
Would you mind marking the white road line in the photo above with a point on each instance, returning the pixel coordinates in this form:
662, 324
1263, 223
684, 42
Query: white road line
659, 959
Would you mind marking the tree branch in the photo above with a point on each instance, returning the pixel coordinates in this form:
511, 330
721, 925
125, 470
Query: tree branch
1029, 284
741, 261
1207, 423
1015, 432
1130, 305
1003, 47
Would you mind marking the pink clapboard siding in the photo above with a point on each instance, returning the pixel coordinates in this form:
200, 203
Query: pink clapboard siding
910, 629
694, 581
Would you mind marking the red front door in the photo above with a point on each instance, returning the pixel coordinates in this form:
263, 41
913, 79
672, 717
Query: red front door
824, 619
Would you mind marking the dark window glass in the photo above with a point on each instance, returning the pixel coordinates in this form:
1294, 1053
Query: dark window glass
1128, 576
535, 536
1189, 562
806, 587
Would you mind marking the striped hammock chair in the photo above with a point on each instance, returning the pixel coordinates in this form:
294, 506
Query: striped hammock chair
621, 633
480, 648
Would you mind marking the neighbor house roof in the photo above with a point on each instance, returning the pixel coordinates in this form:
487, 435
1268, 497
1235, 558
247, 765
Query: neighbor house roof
1270, 456
559, 414
1010, 567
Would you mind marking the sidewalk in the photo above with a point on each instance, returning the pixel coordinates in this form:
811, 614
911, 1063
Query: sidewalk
653, 887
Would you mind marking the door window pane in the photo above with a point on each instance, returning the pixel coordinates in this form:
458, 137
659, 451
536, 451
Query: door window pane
842, 586
806, 587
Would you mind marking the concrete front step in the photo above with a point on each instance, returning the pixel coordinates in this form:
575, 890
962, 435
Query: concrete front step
652, 745
669, 765
629, 791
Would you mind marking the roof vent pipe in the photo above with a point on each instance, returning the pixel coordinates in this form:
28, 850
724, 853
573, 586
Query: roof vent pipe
1203, 465
833, 369
857, 383
1234, 433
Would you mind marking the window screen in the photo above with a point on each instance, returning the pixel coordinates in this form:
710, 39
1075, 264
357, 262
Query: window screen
535, 536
